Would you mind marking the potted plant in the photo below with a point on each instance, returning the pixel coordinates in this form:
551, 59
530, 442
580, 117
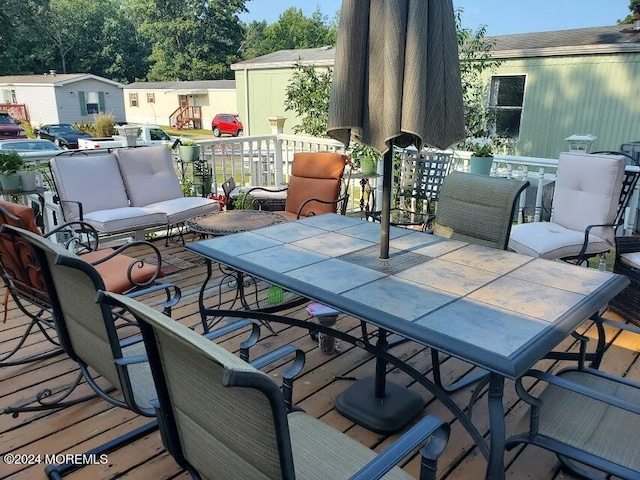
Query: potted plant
365, 158
189, 150
10, 164
481, 156
28, 177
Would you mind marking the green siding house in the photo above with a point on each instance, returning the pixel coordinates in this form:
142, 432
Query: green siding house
550, 85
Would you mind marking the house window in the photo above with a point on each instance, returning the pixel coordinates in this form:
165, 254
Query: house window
506, 98
133, 99
151, 98
8, 96
93, 103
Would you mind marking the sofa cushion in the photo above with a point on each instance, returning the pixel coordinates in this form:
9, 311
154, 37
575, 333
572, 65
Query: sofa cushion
148, 175
114, 272
124, 219
94, 180
550, 240
180, 209
587, 192
631, 259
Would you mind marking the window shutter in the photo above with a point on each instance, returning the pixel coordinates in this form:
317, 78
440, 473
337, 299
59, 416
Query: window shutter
101, 101
83, 104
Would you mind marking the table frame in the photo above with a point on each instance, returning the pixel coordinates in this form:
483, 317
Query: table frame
500, 366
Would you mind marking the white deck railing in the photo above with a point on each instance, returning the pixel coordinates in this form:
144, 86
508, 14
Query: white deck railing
266, 161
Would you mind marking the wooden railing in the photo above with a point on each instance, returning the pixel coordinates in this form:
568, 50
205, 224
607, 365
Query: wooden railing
189, 116
266, 161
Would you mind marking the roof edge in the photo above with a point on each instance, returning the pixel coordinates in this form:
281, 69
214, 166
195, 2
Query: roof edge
567, 50
285, 64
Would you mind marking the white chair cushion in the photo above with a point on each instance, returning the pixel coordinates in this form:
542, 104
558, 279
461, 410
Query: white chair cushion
148, 175
94, 180
180, 209
631, 259
587, 192
124, 219
550, 240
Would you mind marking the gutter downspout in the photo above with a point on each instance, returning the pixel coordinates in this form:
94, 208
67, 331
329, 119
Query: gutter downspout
246, 102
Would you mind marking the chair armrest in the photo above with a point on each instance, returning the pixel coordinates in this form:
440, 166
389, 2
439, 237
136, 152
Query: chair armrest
57, 199
431, 431
581, 256
262, 189
290, 374
578, 388
344, 198
90, 243
171, 301
136, 263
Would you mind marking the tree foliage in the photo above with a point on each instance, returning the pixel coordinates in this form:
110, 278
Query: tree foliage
291, 31
308, 96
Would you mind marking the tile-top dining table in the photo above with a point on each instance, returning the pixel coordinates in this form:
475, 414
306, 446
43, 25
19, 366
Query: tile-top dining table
498, 310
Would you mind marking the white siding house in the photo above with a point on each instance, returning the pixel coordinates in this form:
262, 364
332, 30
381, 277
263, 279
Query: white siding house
63, 98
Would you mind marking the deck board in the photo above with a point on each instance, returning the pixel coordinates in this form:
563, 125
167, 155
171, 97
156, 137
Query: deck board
84, 426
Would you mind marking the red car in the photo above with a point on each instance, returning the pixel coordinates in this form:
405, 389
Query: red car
9, 128
226, 123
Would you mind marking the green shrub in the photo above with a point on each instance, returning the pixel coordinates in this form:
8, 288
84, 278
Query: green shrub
104, 124
86, 127
244, 201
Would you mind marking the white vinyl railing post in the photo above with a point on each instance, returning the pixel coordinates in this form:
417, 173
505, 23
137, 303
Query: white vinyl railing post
277, 129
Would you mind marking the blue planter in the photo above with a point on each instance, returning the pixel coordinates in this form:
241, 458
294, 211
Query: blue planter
480, 165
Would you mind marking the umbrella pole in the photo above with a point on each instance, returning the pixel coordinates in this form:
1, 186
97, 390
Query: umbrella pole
387, 171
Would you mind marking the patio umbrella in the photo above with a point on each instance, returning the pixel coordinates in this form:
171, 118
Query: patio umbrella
396, 81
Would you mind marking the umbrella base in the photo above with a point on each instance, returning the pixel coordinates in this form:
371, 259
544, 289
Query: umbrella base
381, 415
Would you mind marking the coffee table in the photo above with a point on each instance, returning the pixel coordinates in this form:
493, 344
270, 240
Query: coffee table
225, 222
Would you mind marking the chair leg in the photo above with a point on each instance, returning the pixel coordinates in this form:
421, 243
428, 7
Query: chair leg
50, 399
57, 472
31, 358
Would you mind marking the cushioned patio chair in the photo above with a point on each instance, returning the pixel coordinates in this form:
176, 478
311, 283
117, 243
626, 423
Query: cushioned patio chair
627, 262
587, 418
23, 278
589, 202
316, 185
79, 323
222, 418
421, 177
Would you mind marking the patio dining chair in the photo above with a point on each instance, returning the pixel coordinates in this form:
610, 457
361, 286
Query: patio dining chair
476, 209
419, 184
25, 285
112, 360
316, 186
249, 432
591, 194
587, 417
72, 312
627, 262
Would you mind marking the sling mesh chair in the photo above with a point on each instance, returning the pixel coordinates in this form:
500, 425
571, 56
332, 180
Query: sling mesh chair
248, 432
590, 197
90, 335
586, 417
316, 185
476, 209
82, 328
24, 282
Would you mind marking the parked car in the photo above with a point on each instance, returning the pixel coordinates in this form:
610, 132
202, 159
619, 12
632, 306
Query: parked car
9, 128
62, 134
226, 123
29, 145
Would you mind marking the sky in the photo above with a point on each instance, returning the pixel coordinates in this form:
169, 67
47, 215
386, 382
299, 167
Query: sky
501, 17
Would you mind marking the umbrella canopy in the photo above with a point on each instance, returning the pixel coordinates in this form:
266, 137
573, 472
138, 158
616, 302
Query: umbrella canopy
396, 81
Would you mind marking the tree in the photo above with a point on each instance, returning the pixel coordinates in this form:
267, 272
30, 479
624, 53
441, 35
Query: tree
308, 96
634, 7
191, 40
291, 31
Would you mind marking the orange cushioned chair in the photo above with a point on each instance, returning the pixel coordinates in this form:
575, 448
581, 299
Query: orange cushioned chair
315, 185
24, 282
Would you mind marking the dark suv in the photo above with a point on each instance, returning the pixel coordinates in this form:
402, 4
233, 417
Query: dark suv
226, 123
9, 128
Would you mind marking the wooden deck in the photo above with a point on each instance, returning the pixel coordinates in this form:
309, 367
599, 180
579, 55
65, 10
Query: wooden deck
79, 428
